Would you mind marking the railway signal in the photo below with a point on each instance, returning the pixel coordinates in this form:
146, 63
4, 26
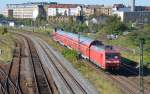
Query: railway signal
142, 42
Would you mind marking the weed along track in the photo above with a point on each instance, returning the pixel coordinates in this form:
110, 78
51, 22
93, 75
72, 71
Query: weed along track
122, 79
135, 73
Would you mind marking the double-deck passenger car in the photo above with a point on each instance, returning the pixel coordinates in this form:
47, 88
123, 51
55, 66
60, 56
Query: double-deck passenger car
106, 57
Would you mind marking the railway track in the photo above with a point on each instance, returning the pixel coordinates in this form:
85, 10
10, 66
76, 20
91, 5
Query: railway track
3, 79
127, 85
7, 81
136, 72
2, 88
14, 71
123, 84
72, 84
11, 78
41, 80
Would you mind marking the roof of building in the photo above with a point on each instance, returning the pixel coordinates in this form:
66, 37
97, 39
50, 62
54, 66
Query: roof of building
63, 5
93, 6
83, 40
31, 3
119, 6
147, 8
140, 12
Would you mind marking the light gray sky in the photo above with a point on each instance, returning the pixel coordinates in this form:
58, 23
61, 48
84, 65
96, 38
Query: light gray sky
105, 2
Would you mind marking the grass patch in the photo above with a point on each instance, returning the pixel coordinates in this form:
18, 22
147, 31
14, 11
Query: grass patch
6, 45
35, 30
127, 43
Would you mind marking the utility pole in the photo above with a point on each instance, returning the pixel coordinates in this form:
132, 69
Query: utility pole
80, 30
141, 66
79, 54
34, 19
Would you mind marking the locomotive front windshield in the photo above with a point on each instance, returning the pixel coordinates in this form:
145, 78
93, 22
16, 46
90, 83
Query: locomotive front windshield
112, 55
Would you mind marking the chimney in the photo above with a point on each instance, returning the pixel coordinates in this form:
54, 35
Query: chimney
133, 6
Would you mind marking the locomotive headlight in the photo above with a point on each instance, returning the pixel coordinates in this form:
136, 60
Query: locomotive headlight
117, 61
108, 61
116, 57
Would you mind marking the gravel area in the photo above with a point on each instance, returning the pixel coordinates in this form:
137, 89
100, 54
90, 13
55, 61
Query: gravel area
26, 72
47, 63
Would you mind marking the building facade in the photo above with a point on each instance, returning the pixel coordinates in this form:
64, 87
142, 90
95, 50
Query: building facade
134, 14
120, 7
103, 11
142, 8
134, 17
64, 10
88, 11
23, 11
91, 9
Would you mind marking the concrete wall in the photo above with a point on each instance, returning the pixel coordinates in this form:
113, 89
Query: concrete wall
21, 11
137, 16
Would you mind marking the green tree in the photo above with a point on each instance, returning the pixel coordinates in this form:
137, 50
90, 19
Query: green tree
3, 30
114, 26
2, 16
81, 27
41, 19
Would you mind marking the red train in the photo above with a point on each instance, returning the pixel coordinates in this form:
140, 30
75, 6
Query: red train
106, 57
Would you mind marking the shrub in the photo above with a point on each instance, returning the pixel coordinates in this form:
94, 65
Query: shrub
70, 54
3, 30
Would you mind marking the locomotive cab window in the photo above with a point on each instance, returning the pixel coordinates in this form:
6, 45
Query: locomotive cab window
112, 55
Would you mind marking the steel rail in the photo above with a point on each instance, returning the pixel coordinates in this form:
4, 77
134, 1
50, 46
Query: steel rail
61, 72
37, 63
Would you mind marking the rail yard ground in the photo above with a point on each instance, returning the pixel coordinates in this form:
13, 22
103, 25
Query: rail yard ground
123, 82
30, 72
100, 82
55, 48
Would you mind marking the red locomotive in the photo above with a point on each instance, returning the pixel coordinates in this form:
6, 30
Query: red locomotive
106, 57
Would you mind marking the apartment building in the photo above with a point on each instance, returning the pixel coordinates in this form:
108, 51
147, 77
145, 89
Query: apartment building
91, 9
88, 11
135, 17
24, 10
106, 10
64, 10
133, 13
97, 10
